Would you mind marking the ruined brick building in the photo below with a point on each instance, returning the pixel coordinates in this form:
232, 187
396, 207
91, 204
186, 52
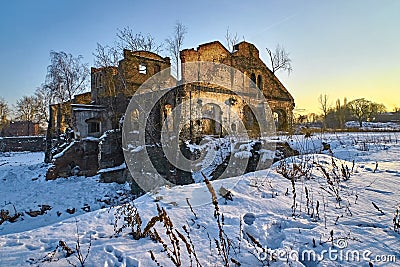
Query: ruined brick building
245, 58
60, 113
96, 122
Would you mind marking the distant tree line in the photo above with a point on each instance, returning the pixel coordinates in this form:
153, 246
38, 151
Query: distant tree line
337, 114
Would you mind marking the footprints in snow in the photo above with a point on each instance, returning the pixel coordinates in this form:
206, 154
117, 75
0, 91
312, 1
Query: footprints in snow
271, 230
13, 243
377, 170
32, 247
21, 240
118, 258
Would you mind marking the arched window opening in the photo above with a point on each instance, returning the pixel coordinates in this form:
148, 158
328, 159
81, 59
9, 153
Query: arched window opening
167, 116
280, 119
250, 122
253, 80
157, 69
135, 119
259, 82
211, 122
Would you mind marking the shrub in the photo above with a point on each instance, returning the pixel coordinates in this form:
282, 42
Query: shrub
67, 252
396, 220
131, 218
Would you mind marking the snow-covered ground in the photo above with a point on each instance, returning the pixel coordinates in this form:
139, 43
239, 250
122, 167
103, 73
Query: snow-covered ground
23, 189
340, 210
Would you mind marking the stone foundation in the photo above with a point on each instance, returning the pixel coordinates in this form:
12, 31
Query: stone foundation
79, 158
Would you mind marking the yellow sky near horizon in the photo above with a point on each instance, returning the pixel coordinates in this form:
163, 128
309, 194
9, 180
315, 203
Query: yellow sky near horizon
380, 87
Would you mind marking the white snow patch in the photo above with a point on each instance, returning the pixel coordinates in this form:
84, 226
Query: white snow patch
243, 154
59, 155
116, 168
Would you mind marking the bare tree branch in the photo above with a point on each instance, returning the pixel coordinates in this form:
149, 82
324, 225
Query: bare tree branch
324, 106
26, 109
66, 75
231, 39
106, 56
127, 39
44, 98
280, 59
174, 45
4, 109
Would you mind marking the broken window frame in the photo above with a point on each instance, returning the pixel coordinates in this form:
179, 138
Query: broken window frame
142, 68
93, 126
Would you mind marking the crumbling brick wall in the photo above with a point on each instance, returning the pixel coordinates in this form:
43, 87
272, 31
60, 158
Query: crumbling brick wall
245, 58
79, 158
110, 150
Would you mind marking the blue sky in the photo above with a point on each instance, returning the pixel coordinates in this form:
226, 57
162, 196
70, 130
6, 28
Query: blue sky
341, 48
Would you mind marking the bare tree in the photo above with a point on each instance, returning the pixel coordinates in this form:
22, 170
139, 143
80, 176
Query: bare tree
174, 45
312, 117
341, 112
115, 76
280, 59
44, 98
363, 109
66, 75
128, 39
26, 109
4, 110
324, 106
377, 108
231, 39
106, 56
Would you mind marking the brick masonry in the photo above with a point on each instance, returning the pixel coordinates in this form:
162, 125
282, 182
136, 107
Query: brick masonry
81, 158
